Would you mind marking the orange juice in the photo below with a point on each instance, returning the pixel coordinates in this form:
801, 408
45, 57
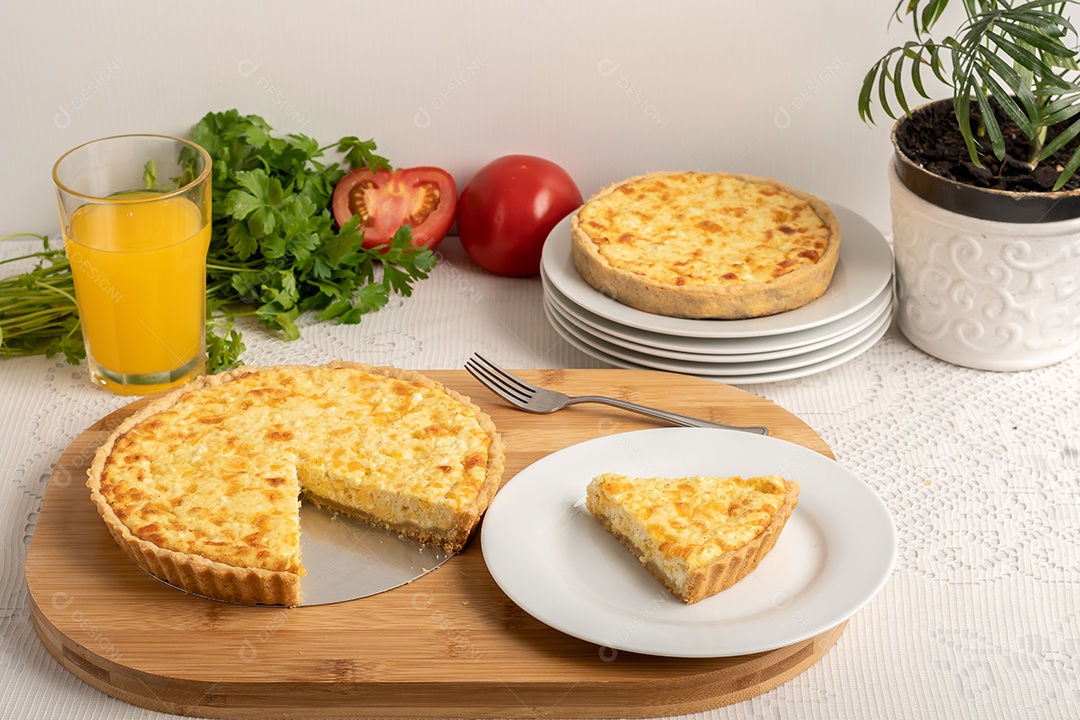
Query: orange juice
139, 268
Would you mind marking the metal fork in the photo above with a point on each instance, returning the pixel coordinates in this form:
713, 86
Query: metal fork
532, 398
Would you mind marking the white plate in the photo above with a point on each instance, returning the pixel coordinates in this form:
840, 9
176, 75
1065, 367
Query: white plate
717, 350
864, 268
728, 369
724, 366
761, 377
551, 557
784, 343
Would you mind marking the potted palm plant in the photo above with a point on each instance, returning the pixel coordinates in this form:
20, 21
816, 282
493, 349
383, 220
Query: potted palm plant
985, 193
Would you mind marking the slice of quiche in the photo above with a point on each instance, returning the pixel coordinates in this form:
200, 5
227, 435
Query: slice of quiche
696, 535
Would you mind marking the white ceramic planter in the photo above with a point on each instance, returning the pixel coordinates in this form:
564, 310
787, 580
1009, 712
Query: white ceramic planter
985, 294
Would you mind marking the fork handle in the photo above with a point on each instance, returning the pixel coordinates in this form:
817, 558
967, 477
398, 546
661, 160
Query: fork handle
675, 418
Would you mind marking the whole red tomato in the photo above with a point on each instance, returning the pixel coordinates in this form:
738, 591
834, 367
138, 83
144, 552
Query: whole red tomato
508, 209
422, 197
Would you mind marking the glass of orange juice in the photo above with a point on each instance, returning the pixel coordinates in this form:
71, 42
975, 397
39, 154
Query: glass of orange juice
135, 215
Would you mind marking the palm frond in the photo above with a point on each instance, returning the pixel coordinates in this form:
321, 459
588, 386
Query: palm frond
1018, 58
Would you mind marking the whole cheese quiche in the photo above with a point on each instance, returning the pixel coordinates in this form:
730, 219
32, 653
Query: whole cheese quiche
706, 245
202, 487
696, 535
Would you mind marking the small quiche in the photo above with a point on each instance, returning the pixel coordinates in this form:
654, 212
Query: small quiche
696, 535
706, 245
202, 487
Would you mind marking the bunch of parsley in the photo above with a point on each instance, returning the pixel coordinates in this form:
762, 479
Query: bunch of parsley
275, 251
274, 244
37, 308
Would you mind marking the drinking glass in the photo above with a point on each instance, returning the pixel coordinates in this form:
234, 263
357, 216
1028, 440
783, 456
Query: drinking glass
135, 215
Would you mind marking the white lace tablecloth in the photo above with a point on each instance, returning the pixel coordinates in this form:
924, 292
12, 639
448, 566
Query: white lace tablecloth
981, 618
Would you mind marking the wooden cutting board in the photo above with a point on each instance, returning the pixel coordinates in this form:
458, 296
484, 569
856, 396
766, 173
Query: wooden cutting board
450, 644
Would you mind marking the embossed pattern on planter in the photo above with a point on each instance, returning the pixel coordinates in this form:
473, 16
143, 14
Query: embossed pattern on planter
983, 294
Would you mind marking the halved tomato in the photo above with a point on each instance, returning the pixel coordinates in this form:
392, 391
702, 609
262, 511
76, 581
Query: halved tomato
424, 198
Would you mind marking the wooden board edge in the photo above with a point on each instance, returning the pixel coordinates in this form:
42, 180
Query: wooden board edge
430, 701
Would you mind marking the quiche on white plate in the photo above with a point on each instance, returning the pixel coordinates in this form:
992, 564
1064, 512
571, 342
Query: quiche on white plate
706, 245
697, 535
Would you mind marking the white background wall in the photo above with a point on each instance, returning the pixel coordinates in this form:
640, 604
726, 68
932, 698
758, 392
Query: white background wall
608, 89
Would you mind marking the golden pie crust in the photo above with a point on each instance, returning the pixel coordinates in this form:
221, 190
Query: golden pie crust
706, 245
696, 535
202, 487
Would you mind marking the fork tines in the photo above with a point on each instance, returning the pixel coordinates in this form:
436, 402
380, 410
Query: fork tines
497, 380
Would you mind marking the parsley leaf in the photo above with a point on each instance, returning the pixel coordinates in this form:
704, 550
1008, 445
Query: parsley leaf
361, 153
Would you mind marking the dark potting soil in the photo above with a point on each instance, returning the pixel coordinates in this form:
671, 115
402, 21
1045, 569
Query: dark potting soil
931, 138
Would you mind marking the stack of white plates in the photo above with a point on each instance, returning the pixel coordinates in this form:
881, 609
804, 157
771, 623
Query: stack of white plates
850, 317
